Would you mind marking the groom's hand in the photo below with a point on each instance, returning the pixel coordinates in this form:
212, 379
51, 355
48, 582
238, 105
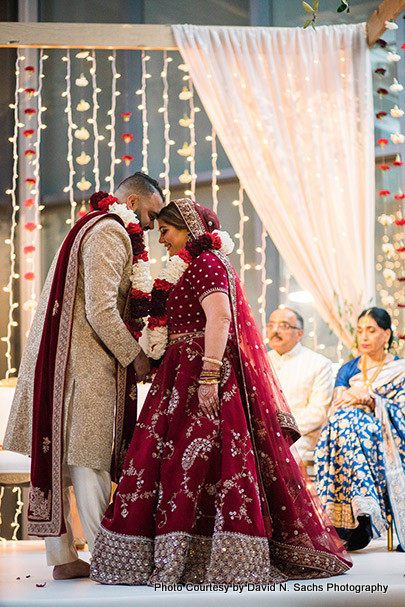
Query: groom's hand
141, 366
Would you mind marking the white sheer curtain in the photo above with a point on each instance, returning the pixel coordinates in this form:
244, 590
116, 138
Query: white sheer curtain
293, 110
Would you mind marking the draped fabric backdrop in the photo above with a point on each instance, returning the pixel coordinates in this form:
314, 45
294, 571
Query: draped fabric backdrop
293, 110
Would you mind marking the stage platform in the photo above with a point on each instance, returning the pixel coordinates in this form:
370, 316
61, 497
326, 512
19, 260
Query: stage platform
377, 578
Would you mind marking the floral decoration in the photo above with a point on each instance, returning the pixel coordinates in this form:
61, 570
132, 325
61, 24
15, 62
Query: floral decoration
28, 133
29, 275
380, 115
30, 153
127, 137
128, 158
29, 202
30, 226
29, 249
382, 141
140, 276
30, 112
126, 116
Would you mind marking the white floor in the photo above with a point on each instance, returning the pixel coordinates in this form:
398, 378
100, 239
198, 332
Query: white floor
377, 578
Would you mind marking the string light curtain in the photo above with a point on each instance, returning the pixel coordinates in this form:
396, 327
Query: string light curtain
293, 111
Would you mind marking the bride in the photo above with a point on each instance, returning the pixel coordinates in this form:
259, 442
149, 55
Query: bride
209, 491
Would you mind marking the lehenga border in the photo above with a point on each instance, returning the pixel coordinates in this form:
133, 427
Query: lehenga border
299, 562
179, 557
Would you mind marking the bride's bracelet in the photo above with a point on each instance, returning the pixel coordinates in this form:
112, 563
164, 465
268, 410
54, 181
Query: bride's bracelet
214, 361
207, 382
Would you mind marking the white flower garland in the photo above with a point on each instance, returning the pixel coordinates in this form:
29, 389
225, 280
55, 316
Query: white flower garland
140, 275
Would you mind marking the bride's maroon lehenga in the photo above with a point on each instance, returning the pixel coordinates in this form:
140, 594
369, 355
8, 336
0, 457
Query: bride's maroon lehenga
222, 500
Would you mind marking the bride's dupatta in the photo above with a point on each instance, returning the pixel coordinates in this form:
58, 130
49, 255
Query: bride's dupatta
301, 537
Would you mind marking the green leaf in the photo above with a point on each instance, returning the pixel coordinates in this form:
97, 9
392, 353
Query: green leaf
307, 22
308, 7
316, 5
341, 8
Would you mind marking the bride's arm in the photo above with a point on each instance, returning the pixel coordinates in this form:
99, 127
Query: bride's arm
218, 318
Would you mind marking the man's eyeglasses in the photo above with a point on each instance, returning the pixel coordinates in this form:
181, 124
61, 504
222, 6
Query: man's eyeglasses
283, 326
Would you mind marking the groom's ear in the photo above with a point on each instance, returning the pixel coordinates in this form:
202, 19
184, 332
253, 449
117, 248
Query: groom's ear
132, 202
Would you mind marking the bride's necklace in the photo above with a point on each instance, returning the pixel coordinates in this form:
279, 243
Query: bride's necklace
368, 382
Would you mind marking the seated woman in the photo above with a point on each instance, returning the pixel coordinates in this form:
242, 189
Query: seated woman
360, 454
210, 492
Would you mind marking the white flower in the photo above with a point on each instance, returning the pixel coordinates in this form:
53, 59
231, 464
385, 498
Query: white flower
389, 274
389, 249
30, 304
185, 121
397, 138
83, 185
83, 158
174, 270
140, 277
396, 87
183, 67
393, 56
82, 81
391, 25
396, 112
227, 242
386, 220
185, 177
83, 106
388, 300
157, 339
82, 134
186, 150
122, 211
185, 94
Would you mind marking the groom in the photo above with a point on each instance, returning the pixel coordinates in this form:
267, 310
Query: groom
66, 411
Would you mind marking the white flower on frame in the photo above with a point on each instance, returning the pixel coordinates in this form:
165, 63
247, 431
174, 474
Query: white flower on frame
396, 87
397, 138
396, 112
386, 220
393, 56
389, 274
391, 25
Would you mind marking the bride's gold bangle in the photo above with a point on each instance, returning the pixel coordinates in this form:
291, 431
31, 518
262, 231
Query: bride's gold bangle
214, 361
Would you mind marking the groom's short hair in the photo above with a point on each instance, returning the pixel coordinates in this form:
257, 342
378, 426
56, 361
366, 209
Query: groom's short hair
140, 183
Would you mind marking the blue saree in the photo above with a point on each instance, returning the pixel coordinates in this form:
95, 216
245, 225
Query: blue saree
360, 456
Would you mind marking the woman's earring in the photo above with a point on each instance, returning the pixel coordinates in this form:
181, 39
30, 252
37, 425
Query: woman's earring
386, 347
189, 235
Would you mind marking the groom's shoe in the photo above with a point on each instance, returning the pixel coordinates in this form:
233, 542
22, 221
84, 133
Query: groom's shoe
68, 571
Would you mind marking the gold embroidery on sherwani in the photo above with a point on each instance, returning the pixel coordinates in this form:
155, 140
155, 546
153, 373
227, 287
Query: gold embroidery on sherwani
39, 504
45, 444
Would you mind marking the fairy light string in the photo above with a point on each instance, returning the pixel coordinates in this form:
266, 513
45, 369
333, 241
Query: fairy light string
12, 304
145, 140
165, 111
191, 158
111, 127
215, 172
68, 94
96, 169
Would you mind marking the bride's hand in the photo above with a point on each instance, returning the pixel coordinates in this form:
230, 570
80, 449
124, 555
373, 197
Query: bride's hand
209, 400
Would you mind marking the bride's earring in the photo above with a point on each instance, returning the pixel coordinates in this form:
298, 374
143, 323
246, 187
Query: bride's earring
386, 347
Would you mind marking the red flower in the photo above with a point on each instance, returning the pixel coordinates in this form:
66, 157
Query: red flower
134, 228
380, 115
380, 71
401, 335
399, 196
29, 202
216, 242
95, 199
400, 222
28, 133
401, 278
126, 116
30, 111
128, 158
29, 249
81, 213
162, 285
29, 275
401, 305
104, 203
401, 249
30, 226
30, 68
397, 162
157, 321
31, 181
143, 256
381, 42
140, 294
30, 153
403, 46
30, 92
382, 92
185, 256
384, 193
127, 137
384, 167
382, 141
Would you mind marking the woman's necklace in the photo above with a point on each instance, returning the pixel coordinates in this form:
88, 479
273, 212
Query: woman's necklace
368, 382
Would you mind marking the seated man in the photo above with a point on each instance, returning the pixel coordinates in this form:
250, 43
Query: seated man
305, 376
